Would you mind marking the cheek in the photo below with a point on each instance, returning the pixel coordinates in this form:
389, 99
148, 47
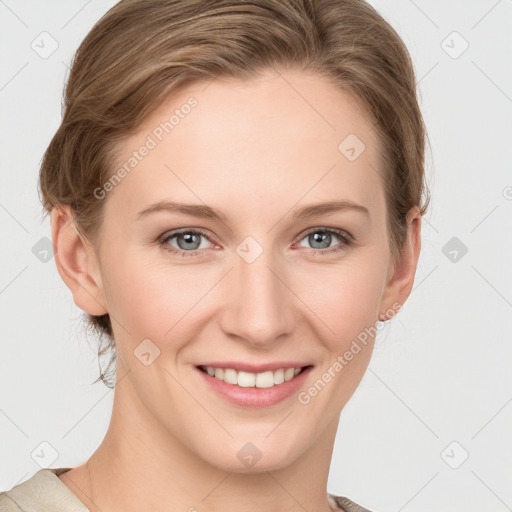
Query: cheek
156, 300
345, 298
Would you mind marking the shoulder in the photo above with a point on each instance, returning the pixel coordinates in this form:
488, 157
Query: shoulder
347, 505
43, 491
7, 504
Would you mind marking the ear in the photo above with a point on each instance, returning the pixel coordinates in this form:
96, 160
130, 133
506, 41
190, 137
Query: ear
77, 262
401, 273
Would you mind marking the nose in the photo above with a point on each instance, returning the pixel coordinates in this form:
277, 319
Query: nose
258, 302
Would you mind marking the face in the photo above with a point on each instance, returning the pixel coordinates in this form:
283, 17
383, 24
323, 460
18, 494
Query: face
252, 276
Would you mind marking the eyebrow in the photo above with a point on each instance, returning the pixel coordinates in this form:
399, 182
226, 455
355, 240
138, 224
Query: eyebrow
207, 212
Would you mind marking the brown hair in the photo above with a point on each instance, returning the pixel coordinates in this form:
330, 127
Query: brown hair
142, 50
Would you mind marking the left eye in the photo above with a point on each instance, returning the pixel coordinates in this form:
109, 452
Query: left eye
322, 238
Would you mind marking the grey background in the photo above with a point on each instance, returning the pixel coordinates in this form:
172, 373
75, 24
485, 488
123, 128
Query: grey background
438, 388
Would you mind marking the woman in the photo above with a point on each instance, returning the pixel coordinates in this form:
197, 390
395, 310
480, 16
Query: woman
236, 193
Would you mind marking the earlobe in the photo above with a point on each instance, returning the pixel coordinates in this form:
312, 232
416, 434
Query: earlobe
401, 278
77, 262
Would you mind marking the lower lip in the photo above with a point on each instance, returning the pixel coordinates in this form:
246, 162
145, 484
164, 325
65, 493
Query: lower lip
256, 397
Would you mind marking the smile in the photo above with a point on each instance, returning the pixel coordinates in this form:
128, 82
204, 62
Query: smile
243, 379
249, 389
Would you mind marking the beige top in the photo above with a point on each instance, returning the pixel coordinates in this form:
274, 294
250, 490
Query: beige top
44, 492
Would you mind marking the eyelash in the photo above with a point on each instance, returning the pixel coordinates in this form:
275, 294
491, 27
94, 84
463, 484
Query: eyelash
346, 241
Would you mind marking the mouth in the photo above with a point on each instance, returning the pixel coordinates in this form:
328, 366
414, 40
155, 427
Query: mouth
245, 379
254, 390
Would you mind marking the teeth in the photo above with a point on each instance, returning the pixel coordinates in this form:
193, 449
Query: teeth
250, 380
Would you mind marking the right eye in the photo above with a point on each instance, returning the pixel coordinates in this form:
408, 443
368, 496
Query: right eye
189, 242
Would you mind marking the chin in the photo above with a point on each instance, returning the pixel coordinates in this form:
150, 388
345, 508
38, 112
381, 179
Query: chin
243, 455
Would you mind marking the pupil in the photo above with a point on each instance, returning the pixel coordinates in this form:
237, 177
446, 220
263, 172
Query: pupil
317, 237
189, 238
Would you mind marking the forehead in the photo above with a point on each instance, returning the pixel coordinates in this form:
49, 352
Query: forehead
279, 138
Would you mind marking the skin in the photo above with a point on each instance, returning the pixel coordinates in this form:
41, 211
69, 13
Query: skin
256, 150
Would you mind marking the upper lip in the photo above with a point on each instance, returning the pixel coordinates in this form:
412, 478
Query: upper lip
256, 368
